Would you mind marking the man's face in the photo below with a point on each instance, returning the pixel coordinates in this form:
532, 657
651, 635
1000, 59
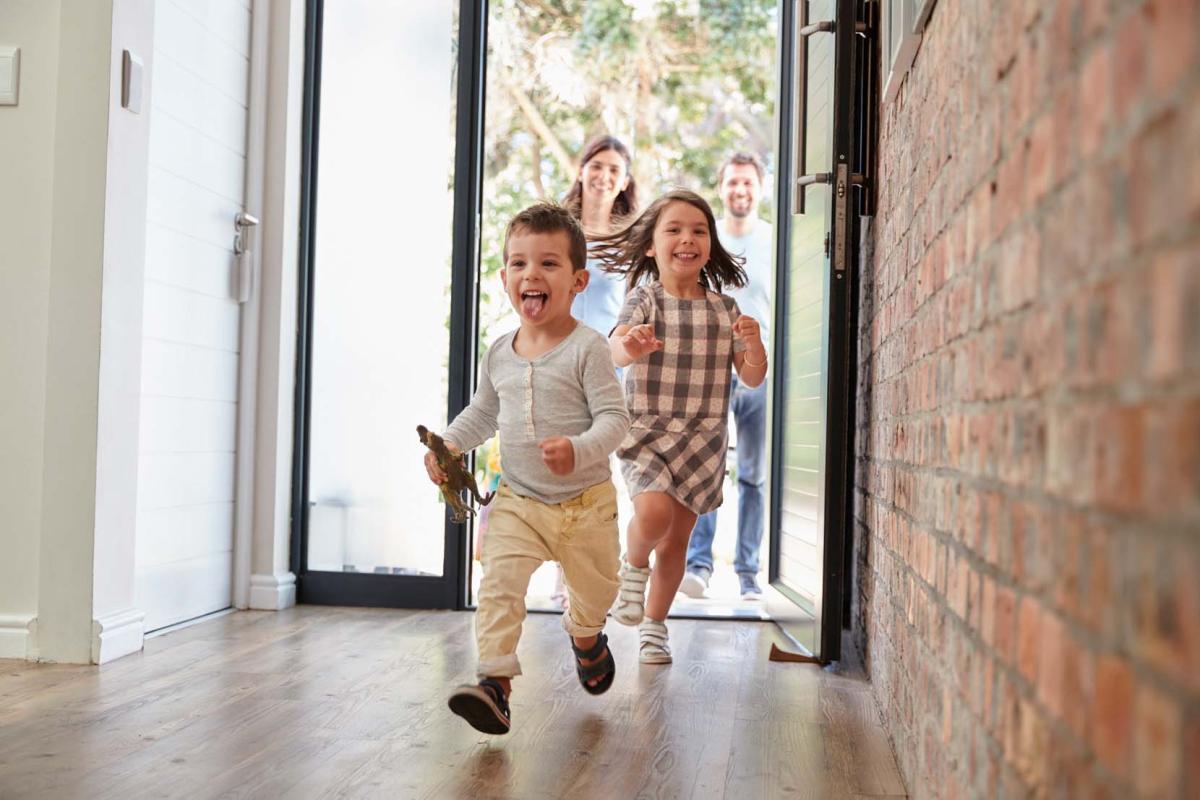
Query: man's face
740, 190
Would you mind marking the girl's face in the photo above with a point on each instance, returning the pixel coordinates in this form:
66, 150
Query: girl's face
681, 241
604, 177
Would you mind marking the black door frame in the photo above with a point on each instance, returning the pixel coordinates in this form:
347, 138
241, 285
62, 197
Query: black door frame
448, 590
850, 44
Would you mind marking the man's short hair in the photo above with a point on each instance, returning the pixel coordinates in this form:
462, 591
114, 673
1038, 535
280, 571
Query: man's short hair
551, 218
742, 157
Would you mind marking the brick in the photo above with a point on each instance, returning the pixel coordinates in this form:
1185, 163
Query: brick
1173, 45
1052, 647
1078, 685
1157, 740
1095, 92
1174, 329
1113, 709
1120, 459
1167, 610
1068, 565
1132, 56
1028, 628
1157, 183
1005, 623
1191, 757
1173, 459
987, 626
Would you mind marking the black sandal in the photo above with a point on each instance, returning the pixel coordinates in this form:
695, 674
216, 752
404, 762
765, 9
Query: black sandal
483, 705
605, 666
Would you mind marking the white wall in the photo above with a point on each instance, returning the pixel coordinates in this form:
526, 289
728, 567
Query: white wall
71, 268
27, 163
64, 622
117, 628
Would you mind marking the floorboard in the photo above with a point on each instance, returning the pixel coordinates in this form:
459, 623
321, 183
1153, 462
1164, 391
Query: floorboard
317, 702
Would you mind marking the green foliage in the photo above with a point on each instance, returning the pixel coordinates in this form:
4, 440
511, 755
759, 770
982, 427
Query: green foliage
681, 82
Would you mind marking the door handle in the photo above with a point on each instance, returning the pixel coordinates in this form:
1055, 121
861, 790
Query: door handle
241, 251
800, 179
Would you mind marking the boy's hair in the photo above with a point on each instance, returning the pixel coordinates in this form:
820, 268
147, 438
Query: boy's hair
551, 218
742, 157
624, 252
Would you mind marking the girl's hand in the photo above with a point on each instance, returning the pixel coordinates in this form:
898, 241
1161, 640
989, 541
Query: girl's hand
746, 328
640, 341
559, 455
434, 469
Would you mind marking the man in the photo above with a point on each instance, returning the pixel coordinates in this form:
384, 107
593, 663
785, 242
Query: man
740, 182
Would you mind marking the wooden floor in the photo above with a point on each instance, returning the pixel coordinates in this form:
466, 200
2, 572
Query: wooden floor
332, 702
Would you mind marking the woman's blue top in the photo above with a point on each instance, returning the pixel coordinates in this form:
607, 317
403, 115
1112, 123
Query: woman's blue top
597, 306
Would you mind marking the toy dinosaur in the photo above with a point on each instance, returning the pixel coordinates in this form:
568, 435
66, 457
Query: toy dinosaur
458, 478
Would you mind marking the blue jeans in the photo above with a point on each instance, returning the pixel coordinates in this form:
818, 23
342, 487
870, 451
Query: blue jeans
750, 417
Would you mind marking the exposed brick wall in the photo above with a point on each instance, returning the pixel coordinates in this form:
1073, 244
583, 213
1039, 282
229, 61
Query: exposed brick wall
1028, 475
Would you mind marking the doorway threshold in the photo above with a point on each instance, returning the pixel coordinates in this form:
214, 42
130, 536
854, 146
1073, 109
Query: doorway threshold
683, 608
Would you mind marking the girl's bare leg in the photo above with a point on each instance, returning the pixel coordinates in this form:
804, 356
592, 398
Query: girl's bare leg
670, 557
652, 514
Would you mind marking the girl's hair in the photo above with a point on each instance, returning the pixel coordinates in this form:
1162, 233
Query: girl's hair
624, 252
626, 204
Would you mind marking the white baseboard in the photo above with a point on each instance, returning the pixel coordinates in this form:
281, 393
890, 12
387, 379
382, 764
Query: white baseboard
272, 592
16, 638
116, 635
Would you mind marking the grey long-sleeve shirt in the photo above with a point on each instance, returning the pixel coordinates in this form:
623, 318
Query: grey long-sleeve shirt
571, 391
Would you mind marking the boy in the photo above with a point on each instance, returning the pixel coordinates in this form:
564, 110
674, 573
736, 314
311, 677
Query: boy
551, 390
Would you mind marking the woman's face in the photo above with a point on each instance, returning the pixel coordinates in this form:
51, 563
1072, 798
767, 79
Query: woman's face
681, 241
603, 177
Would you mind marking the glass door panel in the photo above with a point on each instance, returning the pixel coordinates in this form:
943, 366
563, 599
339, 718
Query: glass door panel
560, 74
381, 205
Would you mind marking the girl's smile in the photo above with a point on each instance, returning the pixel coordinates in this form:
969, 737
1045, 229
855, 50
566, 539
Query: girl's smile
681, 243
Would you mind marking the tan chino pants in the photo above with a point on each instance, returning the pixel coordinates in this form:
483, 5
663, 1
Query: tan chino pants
523, 533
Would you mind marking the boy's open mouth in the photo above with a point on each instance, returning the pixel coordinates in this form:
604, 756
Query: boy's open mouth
533, 302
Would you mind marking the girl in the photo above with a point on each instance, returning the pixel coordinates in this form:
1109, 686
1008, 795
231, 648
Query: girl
681, 336
603, 197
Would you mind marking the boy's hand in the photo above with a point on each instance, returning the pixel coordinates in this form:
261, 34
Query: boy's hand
640, 341
559, 455
746, 328
434, 469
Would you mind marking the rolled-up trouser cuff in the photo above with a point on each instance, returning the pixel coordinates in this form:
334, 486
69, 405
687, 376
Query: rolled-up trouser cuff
579, 631
499, 667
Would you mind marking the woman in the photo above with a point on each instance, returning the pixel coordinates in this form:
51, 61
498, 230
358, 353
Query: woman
603, 196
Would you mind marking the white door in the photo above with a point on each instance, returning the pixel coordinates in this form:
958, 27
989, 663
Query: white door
198, 108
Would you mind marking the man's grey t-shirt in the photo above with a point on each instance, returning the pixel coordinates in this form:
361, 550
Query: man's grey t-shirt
758, 248
570, 391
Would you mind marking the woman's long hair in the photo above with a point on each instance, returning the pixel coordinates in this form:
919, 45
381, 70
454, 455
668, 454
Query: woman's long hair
626, 203
624, 252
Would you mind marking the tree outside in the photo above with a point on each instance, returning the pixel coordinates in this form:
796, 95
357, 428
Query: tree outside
681, 82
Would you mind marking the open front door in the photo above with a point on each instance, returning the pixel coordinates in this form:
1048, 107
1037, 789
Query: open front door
825, 45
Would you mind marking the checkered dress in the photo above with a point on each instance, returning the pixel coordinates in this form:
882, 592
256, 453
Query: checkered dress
678, 396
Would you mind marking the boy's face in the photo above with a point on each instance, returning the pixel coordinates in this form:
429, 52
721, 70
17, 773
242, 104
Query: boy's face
538, 277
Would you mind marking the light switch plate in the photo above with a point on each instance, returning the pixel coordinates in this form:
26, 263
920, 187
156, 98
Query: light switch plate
10, 74
131, 82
